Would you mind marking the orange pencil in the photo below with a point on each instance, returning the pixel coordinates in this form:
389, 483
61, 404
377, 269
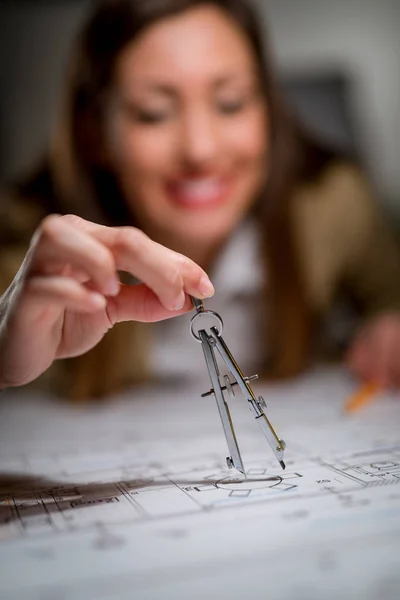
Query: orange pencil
363, 396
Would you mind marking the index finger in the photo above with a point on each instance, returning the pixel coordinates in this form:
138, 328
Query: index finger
168, 273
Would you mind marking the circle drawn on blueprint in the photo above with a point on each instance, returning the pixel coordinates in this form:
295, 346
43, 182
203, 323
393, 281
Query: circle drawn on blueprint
256, 479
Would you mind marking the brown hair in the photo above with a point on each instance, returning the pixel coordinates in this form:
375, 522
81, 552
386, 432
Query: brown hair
73, 181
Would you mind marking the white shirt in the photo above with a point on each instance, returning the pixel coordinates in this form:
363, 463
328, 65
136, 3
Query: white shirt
238, 279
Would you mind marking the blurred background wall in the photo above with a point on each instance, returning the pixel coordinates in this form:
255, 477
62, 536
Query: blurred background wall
355, 43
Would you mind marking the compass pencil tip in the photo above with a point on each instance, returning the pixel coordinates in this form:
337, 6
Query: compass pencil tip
282, 464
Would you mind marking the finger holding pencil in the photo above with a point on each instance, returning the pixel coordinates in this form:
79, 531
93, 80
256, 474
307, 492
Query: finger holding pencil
364, 395
374, 358
374, 355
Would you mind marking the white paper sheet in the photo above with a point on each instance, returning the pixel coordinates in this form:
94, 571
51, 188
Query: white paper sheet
133, 499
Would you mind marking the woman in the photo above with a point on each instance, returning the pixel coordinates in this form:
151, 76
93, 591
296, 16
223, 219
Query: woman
174, 137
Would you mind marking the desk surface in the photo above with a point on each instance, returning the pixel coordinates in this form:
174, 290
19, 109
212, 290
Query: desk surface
132, 499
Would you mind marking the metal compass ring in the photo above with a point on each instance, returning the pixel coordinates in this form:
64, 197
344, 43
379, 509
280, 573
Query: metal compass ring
202, 314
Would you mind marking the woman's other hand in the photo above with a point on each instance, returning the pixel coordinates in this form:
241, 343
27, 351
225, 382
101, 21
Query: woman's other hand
66, 294
375, 352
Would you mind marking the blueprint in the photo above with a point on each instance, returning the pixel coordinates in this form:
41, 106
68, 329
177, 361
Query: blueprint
133, 499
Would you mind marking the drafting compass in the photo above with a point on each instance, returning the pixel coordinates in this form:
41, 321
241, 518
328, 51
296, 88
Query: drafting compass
210, 342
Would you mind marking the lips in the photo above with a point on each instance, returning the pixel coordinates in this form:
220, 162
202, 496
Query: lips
198, 192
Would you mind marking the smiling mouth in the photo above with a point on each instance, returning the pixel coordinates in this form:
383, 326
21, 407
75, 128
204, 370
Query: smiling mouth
198, 192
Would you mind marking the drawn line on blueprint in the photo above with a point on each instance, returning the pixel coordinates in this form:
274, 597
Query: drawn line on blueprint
64, 494
121, 487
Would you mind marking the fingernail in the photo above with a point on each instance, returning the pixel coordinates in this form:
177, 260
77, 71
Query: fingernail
180, 301
206, 288
112, 287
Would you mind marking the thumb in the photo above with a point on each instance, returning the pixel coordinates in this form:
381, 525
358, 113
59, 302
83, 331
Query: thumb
140, 303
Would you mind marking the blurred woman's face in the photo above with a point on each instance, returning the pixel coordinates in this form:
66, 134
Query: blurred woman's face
186, 129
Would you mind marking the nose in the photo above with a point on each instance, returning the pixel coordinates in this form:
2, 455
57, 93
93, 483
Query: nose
200, 139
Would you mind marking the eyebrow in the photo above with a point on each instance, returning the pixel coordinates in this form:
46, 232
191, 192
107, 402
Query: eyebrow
234, 76
170, 90
163, 88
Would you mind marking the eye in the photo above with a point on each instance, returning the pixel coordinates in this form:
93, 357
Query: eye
230, 107
234, 101
148, 117
145, 115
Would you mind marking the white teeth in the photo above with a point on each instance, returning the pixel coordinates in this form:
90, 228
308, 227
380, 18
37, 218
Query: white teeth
200, 190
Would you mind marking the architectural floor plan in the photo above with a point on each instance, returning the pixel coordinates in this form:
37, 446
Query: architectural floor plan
134, 499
